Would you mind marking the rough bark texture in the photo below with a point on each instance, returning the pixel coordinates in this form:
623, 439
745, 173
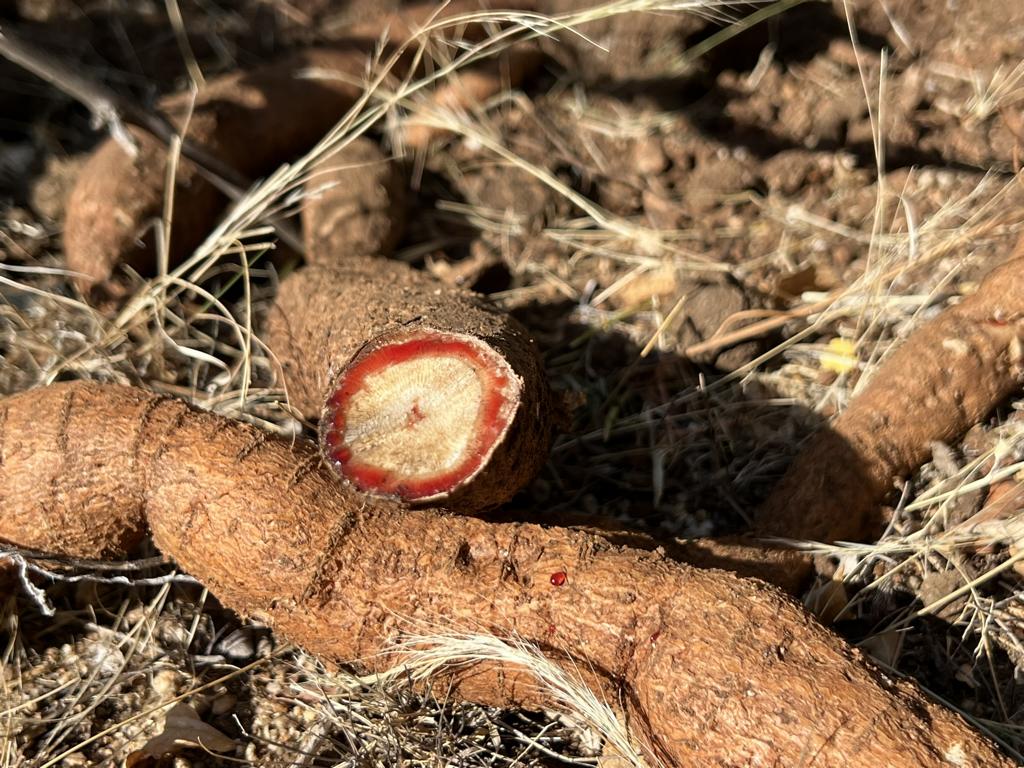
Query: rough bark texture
245, 120
323, 316
354, 205
249, 121
946, 377
711, 670
48, 440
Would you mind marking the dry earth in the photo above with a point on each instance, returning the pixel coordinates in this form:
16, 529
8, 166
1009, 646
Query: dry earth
848, 169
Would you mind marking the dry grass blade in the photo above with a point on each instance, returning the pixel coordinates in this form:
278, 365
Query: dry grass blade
425, 656
654, 443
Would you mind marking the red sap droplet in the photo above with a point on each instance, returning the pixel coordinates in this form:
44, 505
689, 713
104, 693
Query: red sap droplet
655, 636
558, 578
551, 629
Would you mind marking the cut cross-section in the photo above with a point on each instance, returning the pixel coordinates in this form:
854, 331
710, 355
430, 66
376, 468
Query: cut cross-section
418, 413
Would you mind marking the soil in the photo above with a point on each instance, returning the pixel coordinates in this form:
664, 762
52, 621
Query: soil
802, 155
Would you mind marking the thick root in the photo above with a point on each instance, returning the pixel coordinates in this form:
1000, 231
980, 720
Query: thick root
711, 670
431, 359
945, 378
354, 205
49, 439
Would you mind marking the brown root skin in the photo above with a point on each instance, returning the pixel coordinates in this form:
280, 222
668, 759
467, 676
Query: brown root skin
945, 378
251, 122
51, 437
354, 204
240, 120
711, 670
314, 332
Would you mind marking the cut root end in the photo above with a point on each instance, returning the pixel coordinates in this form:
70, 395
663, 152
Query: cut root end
419, 413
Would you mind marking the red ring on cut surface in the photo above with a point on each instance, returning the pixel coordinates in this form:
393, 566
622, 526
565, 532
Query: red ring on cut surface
492, 421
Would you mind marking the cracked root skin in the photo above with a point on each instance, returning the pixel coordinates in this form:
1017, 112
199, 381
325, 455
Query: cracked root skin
323, 316
711, 670
47, 442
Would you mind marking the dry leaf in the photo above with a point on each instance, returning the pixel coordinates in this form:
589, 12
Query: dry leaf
182, 730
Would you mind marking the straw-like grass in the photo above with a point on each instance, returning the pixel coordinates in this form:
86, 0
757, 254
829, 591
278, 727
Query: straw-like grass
655, 445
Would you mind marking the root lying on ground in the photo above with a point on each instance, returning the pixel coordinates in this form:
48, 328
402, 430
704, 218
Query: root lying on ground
709, 669
238, 119
865, 472
425, 391
248, 122
421, 390
465, 420
947, 376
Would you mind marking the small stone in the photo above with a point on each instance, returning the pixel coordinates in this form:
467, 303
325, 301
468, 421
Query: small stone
223, 704
648, 157
165, 683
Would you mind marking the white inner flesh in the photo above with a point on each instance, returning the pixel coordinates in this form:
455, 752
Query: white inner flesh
415, 418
